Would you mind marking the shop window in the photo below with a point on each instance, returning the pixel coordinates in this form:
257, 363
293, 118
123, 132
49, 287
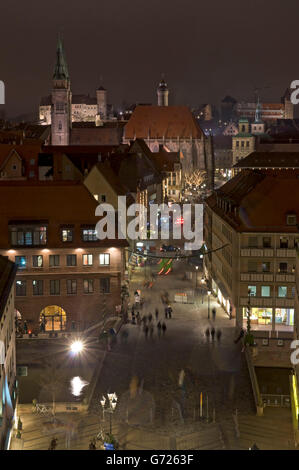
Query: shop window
284, 316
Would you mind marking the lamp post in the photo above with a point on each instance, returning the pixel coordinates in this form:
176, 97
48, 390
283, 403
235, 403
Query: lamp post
202, 283
209, 293
111, 405
196, 267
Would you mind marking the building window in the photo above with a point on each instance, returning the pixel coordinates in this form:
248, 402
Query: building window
266, 242
104, 259
87, 260
265, 291
266, 267
89, 235
252, 291
253, 242
20, 288
252, 266
105, 285
283, 242
282, 291
283, 267
37, 287
67, 235
88, 286
71, 286
32, 236
54, 287
291, 219
71, 260
54, 260
37, 261
21, 262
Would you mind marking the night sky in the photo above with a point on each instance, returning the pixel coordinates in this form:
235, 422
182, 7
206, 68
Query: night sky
206, 49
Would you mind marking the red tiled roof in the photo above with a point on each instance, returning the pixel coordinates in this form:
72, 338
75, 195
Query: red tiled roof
262, 199
169, 122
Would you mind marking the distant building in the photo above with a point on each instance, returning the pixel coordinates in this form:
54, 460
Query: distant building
243, 143
8, 386
269, 111
231, 129
174, 127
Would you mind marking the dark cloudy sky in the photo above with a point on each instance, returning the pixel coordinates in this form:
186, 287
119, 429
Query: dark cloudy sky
205, 48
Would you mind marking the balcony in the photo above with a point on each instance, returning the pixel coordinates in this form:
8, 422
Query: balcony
267, 302
258, 252
257, 277
285, 277
286, 252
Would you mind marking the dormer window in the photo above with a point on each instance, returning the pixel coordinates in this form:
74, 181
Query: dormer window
291, 219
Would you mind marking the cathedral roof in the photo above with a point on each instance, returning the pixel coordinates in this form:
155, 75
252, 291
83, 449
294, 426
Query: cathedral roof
156, 122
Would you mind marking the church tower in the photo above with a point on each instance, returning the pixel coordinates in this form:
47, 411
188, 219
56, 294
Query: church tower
61, 108
258, 126
102, 102
162, 92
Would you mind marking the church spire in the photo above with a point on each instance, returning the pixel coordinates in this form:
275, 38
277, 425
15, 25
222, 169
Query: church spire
61, 70
258, 112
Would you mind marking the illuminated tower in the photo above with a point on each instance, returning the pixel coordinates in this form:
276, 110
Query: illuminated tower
61, 108
162, 92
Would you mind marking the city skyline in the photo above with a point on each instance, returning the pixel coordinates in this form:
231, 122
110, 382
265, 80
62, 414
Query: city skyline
232, 50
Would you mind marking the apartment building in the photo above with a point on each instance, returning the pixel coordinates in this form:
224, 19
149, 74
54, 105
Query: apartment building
8, 386
66, 276
252, 221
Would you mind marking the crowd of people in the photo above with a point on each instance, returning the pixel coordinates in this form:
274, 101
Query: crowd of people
147, 323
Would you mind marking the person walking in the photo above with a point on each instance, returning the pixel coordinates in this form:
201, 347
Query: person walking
218, 334
151, 331
213, 331
214, 314
207, 333
150, 317
166, 312
146, 331
159, 326
157, 314
163, 328
169, 311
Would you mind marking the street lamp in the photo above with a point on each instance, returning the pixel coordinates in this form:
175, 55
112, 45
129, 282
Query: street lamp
77, 347
209, 293
111, 405
196, 267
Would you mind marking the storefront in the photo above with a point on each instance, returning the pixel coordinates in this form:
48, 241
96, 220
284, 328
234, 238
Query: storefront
222, 295
262, 318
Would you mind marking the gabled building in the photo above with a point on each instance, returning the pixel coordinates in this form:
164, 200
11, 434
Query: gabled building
174, 127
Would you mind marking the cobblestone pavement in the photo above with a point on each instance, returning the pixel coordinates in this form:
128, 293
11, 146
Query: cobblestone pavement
215, 369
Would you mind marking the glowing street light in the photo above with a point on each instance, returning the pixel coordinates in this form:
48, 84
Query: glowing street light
77, 347
112, 402
209, 294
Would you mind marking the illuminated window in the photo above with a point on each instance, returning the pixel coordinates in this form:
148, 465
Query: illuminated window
252, 290
20, 288
21, 262
37, 287
282, 291
37, 261
265, 291
89, 235
105, 259
87, 260
67, 235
